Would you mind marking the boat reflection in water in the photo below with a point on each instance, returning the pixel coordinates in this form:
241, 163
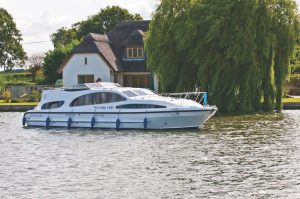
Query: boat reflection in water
108, 105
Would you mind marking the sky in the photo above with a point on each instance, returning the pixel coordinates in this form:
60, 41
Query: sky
38, 19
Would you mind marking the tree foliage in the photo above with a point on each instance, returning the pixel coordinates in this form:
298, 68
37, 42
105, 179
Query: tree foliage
295, 61
100, 23
104, 21
11, 51
35, 64
237, 50
63, 36
53, 60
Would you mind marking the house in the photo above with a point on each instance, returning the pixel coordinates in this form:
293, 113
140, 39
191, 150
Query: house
116, 57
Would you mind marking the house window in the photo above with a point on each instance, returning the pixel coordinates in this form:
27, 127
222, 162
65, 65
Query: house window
135, 52
85, 79
85, 61
138, 81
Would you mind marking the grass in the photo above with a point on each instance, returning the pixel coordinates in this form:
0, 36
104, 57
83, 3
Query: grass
18, 103
291, 100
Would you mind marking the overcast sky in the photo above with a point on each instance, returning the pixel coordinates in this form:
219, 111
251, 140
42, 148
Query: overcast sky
37, 19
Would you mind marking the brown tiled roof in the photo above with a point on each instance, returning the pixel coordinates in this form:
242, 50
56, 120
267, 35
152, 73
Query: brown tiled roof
135, 38
96, 43
128, 33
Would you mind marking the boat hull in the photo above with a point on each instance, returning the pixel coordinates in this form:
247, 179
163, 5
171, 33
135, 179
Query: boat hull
120, 120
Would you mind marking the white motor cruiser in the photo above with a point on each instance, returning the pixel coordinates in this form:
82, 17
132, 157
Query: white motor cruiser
108, 105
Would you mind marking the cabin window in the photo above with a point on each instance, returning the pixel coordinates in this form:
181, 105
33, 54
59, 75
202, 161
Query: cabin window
85, 61
85, 79
97, 98
139, 106
52, 105
135, 52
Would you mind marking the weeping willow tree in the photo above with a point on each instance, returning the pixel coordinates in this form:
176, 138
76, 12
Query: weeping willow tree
237, 50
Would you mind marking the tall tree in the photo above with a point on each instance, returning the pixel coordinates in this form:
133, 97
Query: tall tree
63, 36
100, 23
286, 28
240, 49
104, 21
166, 54
53, 59
35, 64
11, 51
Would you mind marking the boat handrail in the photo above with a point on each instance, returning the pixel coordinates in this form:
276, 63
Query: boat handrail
186, 95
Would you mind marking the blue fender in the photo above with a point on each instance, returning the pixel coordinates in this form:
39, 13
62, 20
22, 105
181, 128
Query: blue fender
118, 122
48, 123
69, 122
145, 123
93, 121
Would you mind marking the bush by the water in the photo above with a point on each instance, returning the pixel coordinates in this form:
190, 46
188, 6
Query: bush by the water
295, 69
6, 95
34, 96
15, 78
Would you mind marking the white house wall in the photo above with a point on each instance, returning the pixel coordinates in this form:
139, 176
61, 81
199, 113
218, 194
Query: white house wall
76, 66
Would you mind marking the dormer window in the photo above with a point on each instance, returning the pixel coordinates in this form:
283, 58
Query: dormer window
135, 53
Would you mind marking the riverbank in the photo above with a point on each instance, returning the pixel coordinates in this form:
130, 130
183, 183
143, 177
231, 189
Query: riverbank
291, 106
17, 107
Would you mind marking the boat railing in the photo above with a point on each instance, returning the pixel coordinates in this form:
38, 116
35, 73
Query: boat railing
199, 97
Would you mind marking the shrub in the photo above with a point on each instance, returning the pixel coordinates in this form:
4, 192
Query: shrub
40, 80
7, 95
295, 69
34, 96
2, 84
295, 77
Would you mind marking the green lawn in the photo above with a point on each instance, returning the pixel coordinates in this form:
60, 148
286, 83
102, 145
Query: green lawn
18, 104
291, 100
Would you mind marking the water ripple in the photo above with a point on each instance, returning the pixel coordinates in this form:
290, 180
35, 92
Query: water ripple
251, 156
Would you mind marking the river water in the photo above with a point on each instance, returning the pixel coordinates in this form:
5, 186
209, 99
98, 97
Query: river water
255, 156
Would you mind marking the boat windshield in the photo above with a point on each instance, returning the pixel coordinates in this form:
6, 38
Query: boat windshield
137, 92
129, 93
79, 87
101, 85
140, 92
